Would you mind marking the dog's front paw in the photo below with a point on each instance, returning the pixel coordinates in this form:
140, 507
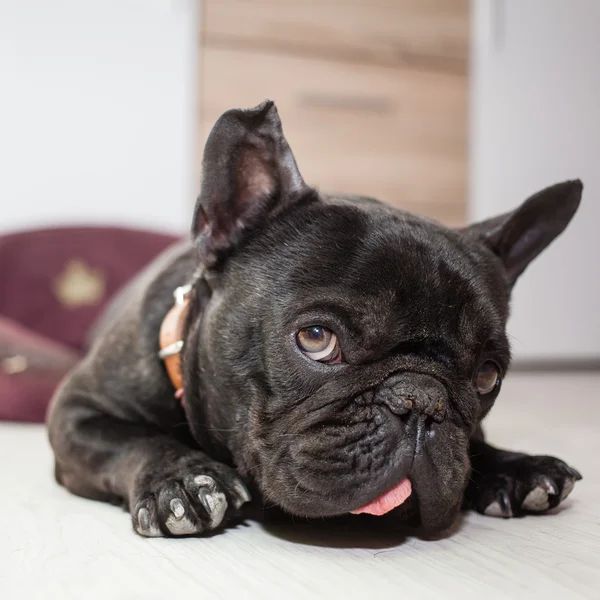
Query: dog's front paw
527, 484
190, 497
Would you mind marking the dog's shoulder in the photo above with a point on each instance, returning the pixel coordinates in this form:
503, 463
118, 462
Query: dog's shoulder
122, 370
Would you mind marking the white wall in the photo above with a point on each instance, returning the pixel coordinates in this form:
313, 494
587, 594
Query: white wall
97, 103
535, 121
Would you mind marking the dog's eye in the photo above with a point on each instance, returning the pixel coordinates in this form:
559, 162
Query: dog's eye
319, 343
488, 378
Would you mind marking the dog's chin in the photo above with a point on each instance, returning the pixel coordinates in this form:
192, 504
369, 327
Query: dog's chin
400, 504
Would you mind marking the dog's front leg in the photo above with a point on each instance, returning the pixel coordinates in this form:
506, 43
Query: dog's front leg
510, 484
170, 488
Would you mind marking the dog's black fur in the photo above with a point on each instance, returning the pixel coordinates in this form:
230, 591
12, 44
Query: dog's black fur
417, 309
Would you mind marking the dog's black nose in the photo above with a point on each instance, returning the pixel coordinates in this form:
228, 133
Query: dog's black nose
404, 393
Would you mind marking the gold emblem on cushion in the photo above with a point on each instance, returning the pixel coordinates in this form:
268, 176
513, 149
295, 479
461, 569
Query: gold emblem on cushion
79, 285
14, 364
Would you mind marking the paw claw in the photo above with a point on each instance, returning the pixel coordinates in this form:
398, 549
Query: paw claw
207, 501
493, 510
505, 504
177, 508
214, 502
537, 499
182, 526
548, 485
206, 481
145, 526
498, 508
575, 473
567, 487
242, 493
144, 518
216, 506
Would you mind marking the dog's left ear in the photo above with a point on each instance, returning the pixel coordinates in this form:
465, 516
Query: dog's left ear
519, 236
249, 176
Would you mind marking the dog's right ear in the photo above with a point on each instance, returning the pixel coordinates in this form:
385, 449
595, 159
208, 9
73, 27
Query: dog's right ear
519, 236
249, 175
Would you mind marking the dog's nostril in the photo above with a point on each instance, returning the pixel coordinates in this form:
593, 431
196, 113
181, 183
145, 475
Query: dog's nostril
404, 417
430, 420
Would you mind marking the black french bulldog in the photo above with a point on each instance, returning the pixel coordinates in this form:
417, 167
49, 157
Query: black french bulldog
339, 357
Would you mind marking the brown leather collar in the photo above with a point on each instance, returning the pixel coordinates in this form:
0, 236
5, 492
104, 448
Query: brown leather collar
171, 337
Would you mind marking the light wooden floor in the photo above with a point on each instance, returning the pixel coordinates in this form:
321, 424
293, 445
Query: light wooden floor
53, 545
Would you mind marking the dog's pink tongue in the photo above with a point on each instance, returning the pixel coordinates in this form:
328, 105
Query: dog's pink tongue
388, 501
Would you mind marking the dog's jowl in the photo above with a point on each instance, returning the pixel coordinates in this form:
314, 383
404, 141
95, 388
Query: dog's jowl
331, 354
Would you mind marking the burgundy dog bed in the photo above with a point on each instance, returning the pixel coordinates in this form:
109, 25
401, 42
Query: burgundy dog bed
53, 285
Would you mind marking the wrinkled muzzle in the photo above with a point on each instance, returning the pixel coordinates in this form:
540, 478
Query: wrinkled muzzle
370, 454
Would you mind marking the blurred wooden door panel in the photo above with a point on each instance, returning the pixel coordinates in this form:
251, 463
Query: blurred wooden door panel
397, 134
423, 33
